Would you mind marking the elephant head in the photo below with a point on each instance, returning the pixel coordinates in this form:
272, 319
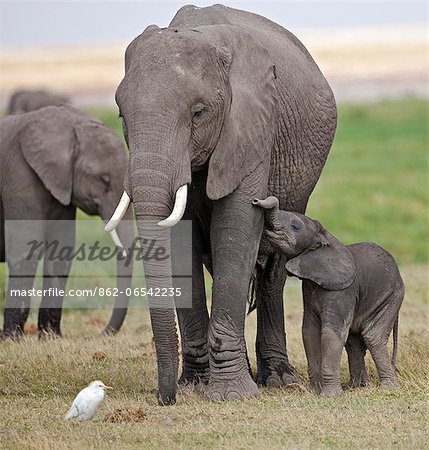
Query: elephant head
200, 99
23, 101
81, 163
313, 253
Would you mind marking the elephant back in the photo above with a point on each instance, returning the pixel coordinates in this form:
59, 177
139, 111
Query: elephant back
305, 129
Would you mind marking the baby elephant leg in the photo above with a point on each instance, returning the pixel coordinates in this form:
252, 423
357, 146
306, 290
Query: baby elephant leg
376, 336
332, 346
385, 369
311, 335
378, 348
356, 349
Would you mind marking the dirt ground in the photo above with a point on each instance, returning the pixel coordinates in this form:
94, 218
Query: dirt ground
361, 64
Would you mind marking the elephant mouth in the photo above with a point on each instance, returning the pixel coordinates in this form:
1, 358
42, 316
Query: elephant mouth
279, 238
272, 234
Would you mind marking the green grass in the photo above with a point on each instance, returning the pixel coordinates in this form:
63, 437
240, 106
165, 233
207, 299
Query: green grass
374, 187
375, 184
109, 117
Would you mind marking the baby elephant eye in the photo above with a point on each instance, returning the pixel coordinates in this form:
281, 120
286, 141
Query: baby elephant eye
295, 225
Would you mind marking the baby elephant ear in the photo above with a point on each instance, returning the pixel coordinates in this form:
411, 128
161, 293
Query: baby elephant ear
48, 149
331, 265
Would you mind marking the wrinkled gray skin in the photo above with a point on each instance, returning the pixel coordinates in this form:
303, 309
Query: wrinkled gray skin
24, 101
233, 105
52, 161
352, 295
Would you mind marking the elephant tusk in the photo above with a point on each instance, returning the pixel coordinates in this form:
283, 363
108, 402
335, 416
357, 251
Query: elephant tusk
178, 210
117, 241
120, 211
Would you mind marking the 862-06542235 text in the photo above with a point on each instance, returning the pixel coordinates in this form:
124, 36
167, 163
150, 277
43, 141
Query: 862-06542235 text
97, 291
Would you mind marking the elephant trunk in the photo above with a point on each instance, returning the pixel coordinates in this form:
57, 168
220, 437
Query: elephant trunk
271, 206
158, 275
155, 179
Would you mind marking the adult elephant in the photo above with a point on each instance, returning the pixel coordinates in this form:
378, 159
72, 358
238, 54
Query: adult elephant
224, 105
52, 161
24, 101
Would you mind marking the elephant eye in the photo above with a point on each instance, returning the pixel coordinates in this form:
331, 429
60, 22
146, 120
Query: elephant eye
295, 225
105, 179
198, 111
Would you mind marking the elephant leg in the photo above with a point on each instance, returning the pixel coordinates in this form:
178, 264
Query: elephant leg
55, 276
333, 341
332, 346
377, 345
194, 323
50, 312
17, 307
236, 228
385, 370
311, 334
356, 349
2, 240
272, 359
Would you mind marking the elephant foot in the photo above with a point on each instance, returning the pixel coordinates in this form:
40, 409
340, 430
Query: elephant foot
109, 331
194, 377
389, 384
280, 374
331, 391
236, 389
196, 368
230, 377
10, 337
315, 387
49, 331
44, 335
357, 382
13, 334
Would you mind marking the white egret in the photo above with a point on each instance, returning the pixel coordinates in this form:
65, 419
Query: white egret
85, 404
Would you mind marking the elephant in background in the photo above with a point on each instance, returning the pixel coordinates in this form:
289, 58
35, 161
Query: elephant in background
221, 107
53, 161
24, 101
352, 296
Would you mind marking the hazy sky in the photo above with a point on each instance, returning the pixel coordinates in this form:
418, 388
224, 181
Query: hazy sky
39, 23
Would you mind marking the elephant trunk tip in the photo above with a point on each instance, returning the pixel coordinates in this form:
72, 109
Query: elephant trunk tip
269, 203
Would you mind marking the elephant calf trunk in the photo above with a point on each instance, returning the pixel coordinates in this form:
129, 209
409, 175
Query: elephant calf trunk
271, 205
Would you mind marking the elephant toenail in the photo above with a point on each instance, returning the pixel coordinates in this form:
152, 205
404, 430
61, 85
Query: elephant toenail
215, 397
233, 396
273, 382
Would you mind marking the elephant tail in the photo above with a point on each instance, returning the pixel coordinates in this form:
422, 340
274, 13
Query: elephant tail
395, 343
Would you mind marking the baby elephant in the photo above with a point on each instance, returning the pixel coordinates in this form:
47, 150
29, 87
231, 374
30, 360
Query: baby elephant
352, 295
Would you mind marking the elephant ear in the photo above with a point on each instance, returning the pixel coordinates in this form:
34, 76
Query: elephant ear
248, 130
48, 147
328, 263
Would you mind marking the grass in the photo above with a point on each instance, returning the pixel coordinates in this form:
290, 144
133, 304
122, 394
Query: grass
374, 187
375, 184
39, 381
